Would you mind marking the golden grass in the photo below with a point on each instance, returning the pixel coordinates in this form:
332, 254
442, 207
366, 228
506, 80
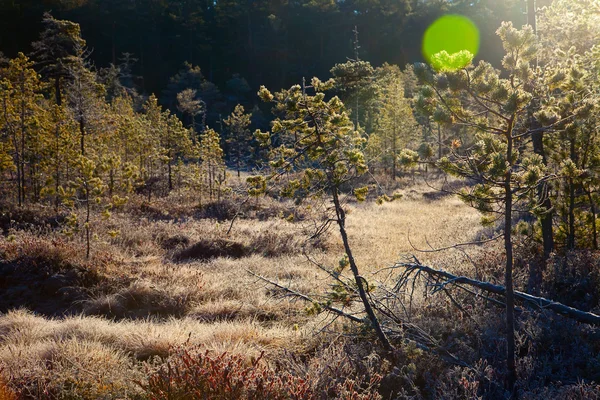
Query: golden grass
214, 303
382, 234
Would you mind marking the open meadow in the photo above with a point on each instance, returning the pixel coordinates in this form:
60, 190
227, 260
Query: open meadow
174, 284
93, 327
299, 200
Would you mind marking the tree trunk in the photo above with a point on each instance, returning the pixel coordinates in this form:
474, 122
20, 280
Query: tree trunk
23, 135
394, 153
543, 195
82, 135
341, 220
538, 148
170, 173
593, 211
439, 129
571, 235
87, 220
508, 277
57, 94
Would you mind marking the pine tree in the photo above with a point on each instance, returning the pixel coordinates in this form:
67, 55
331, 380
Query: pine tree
394, 121
496, 108
85, 100
22, 118
152, 151
326, 153
190, 105
59, 49
61, 151
239, 137
212, 164
85, 190
177, 144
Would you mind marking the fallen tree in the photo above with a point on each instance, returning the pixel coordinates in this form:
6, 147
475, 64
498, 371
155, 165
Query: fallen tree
539, 302
401, 330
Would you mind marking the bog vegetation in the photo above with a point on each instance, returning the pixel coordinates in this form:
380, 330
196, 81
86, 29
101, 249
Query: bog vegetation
425, 231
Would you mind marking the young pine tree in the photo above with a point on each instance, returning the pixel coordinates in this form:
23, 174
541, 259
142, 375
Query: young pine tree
325, 150
190, 105
496, 108
212, 165
239, 137
23, 119
83, 196
394, 122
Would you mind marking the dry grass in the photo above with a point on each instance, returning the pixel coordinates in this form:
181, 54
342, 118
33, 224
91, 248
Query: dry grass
151, 301
93, 358
383, 234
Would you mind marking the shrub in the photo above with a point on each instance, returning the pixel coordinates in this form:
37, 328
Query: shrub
208, 249
195, 375
199, 376
6, 393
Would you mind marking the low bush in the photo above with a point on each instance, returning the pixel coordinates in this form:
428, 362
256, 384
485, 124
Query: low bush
191, 374
204, 376
6, 392
207, 249
574, 279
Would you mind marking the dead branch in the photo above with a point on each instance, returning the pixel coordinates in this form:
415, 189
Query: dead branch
306, 298
540, 302
403, 330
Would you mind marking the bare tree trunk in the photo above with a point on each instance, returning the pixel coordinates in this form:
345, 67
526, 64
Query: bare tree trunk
57, 94
82, 135
87, 220
593, 211
341, 220
508, 277
23, 135
571, 235
394, 152
439, 129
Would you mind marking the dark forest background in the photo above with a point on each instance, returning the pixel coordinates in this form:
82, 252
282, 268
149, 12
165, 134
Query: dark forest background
265, 42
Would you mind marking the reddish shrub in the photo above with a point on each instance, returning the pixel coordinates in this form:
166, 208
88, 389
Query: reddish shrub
6, 393
198, 376
194, 375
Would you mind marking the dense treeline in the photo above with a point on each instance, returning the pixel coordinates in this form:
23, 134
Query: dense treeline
272, 42
59, 112
84, 139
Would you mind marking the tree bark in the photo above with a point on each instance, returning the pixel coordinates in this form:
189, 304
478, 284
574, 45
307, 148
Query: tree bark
593, 212
341, 220
540, 302
571, 235
508, 277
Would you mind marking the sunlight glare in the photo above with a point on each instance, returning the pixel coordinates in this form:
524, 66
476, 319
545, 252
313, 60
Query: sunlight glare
451, 33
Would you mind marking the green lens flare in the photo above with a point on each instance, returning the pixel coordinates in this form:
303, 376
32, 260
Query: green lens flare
450, 33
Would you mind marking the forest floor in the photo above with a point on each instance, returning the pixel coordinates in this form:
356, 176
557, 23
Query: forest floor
174, 278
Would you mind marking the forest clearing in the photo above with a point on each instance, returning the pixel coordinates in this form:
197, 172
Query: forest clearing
303, 199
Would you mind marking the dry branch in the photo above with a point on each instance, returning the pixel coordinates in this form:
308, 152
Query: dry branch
540, 302
306, 298
404, 330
